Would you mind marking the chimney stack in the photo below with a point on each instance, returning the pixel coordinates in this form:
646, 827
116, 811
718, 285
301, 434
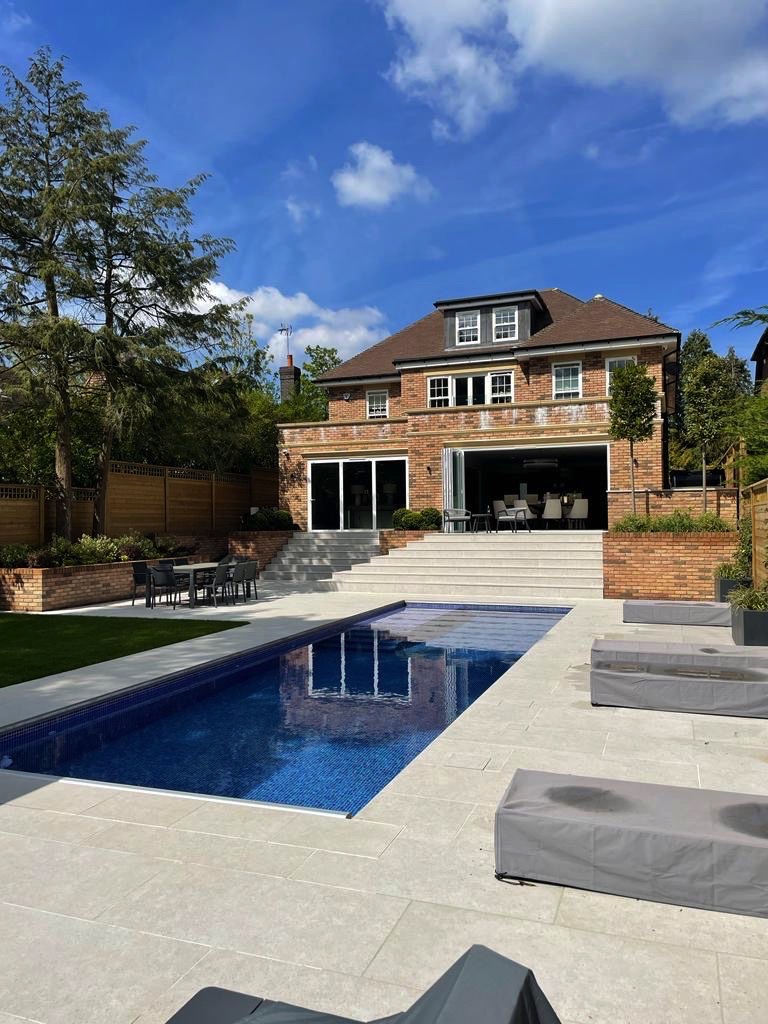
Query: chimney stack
290, 379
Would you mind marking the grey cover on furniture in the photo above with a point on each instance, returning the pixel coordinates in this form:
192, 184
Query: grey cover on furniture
679, 613
699, 678
670, 844
482, 987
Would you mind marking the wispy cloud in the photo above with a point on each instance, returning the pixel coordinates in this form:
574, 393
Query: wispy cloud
301, 210
374, 179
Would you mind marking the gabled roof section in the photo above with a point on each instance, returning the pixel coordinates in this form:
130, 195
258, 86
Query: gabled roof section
599, 319
421, 338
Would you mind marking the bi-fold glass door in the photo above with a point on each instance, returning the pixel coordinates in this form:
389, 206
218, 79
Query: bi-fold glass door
356, 494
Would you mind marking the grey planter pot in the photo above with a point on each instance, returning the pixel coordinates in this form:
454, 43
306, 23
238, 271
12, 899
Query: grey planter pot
749, 628
724, 587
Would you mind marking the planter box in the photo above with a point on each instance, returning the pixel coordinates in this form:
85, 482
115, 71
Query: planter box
749, 628
723, 587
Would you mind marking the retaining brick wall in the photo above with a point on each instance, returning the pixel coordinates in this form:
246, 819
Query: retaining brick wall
664, 566
262, 545
391, 539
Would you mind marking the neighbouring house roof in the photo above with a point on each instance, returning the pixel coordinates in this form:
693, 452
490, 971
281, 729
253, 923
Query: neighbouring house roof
572, 321
760, 359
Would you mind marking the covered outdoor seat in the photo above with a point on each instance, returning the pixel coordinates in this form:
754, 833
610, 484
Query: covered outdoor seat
514, 516
456, 515
699, 678
679, 613
669, 844
482, 987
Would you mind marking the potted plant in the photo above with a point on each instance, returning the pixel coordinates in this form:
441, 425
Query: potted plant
749, 615
730, 576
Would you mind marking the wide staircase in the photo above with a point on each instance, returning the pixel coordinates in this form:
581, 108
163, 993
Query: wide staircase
309, 557
544, 564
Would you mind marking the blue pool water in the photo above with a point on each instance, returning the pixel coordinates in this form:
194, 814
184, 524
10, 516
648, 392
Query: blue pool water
325, 724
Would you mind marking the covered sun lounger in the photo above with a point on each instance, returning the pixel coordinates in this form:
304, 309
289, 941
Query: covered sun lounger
691, 847
482, 987
679, 613
698, 678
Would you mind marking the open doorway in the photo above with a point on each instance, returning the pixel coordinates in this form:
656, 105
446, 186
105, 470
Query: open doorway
567, 471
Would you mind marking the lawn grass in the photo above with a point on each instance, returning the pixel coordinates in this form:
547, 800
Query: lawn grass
39, 645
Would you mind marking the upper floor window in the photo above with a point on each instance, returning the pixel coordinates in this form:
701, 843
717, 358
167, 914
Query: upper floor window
501, 388
614, 364
439, 394
505, 324
566, 380
378, 404
468, 328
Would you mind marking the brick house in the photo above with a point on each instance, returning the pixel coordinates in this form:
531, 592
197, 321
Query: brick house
485, 396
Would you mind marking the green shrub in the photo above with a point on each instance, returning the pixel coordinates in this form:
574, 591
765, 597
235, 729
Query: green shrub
431, 519
134, 547
397, 518
269, 519
92, 550
754, 599
740, 566
673, 522
14, 556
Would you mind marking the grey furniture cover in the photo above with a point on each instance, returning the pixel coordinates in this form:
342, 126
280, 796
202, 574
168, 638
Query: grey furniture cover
698, 678
670, 844
482, 987
679, 613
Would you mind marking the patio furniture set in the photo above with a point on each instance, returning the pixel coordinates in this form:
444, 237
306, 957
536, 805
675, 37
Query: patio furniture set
208, 581
552, 509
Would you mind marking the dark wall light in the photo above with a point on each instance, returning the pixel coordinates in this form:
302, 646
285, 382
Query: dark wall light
346, 396
429, 470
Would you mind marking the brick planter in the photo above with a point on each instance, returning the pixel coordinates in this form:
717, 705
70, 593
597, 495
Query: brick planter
262, 545
390, 539
664, 566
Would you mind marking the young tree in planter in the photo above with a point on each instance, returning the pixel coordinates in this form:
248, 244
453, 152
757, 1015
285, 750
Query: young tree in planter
632, 410
710, 410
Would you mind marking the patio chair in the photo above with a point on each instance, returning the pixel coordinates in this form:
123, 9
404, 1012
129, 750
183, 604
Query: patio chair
251, 574
529, 513
482, 986
577, 517
510, 499
553, 512
165, 563
139, 579
513, 516
532, 498
455, 515
219, 581
164, 582
237, 580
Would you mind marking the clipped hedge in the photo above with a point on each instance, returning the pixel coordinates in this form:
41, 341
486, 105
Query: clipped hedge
269, 519
408, 519
673, 522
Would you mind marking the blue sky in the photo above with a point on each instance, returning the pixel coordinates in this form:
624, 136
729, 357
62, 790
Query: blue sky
371, 156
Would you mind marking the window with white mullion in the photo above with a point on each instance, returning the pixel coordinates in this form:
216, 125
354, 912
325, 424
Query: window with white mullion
468, 328
566, 380
439, 392
614, 364
505, 324
501, 388
378, 405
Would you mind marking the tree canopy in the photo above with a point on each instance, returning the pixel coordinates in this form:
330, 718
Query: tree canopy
632, 410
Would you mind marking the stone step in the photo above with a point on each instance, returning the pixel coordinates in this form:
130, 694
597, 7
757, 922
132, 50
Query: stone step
461, 590
303, 576
501, 560
489, 573
454, 579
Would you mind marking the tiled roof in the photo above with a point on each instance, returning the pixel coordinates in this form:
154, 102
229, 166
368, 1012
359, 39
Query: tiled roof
573, 321
599, 319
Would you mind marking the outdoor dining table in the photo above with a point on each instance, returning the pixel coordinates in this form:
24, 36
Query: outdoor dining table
191, 571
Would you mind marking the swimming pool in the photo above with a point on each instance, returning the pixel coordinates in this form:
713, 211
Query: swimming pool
325, 722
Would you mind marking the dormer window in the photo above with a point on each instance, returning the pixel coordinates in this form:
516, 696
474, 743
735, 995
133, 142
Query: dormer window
468, 328
505, 324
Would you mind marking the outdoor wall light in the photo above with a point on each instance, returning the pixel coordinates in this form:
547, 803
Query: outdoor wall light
346, 396
429, 470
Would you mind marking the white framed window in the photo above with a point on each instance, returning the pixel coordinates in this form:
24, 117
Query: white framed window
377, 403
439, 392
469, 390
501, 388
566, 380
468, 328
505, 324
613, 364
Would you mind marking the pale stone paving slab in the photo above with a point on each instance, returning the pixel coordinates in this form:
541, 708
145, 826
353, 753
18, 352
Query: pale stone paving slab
743, 987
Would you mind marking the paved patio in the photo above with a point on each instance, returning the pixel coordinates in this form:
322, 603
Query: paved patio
117, 905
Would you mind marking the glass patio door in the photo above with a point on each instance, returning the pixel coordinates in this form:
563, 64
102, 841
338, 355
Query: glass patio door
325, 496
390, 490
358, 495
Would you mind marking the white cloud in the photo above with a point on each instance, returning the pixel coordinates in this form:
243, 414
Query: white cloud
704, 58
349, 329
300, 210
374, 179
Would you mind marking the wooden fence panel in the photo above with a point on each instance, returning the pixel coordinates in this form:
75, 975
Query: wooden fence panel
189, 501
82, 513
22, 514
759, 531
135, 499
233, 499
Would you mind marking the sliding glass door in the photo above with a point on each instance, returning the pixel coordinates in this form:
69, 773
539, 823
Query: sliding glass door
356, 494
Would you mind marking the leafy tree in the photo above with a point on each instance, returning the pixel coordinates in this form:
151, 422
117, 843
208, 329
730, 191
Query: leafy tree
632, 411
104, 292
708, 391
311, 400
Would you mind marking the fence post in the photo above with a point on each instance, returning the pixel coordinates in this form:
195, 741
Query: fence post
213, 502
165, 500
41, 513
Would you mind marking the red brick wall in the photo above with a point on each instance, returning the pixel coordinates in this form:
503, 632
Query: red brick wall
356, 408
664, 566
262, 545
391, 539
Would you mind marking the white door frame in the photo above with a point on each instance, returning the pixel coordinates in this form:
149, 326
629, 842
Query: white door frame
341, 462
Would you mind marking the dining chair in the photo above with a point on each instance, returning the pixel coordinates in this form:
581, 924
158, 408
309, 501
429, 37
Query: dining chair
140, 579
553, 512
577, 517
251, 573
529, 513
220, 581
163, 582
510, 499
